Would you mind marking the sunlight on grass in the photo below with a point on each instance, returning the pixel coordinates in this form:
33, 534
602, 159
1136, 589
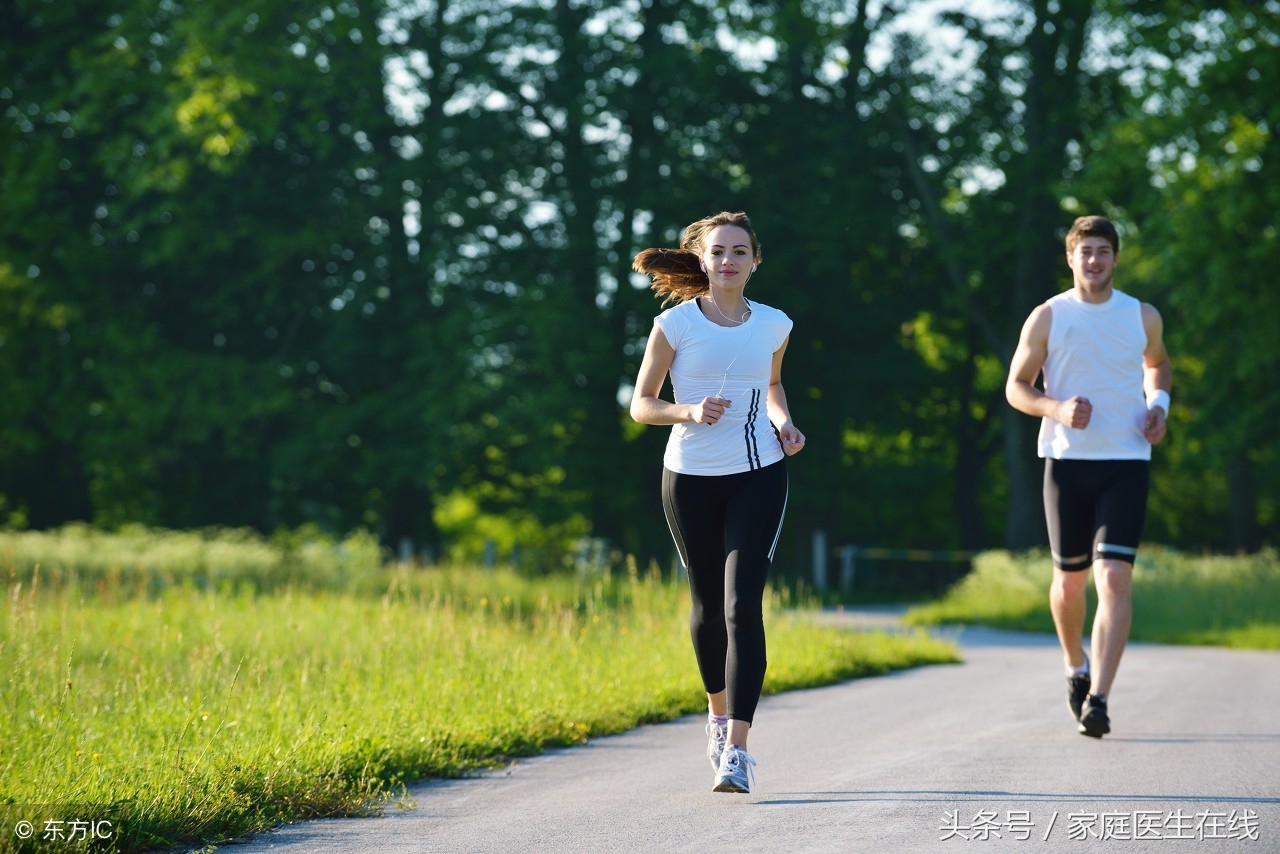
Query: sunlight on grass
196, 711
1220, 600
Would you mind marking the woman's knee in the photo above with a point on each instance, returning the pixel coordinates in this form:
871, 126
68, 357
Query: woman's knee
744, 612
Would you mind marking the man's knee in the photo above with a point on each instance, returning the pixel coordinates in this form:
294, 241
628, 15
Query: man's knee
1113, 578
1070, 583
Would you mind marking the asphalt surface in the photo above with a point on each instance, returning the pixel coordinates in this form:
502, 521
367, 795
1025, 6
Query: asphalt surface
973, 757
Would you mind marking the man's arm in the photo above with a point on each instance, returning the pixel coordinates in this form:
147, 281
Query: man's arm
1157, 375
1028, 360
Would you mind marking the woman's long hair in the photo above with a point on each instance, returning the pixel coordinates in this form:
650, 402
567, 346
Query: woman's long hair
676, 274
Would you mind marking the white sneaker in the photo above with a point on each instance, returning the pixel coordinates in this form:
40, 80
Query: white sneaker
735, 773
717, 736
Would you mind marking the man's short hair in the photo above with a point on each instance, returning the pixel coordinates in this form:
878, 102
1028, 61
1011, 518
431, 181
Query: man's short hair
1093, 226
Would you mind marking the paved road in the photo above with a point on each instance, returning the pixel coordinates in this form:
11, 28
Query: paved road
895, 763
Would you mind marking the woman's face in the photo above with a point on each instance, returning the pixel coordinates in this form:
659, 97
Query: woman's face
727, 255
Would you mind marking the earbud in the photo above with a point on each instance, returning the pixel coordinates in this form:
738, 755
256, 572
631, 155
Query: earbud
753, 267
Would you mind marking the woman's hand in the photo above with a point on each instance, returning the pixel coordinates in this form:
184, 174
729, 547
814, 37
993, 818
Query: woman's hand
792, 439
709, 411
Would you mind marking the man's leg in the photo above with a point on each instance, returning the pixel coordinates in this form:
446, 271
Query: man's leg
1067, 602
1068, 507
1114, 582
1120, 513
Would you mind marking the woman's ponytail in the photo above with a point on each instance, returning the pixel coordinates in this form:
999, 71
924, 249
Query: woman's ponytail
677, 274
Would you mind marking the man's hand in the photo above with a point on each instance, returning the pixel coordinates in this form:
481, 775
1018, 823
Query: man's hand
1075, 412
1153, 425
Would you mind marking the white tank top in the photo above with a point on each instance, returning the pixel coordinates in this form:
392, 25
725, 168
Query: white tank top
1095, 351
736, 362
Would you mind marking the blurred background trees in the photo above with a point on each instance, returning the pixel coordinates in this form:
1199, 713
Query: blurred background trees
367, 264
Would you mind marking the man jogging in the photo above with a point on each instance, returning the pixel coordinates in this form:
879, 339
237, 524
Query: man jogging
1106, 396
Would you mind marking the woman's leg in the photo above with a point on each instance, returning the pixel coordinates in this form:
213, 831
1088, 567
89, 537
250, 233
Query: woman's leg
753, 523
695, 506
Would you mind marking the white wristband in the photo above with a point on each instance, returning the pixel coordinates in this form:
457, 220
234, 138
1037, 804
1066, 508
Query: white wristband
1159, 398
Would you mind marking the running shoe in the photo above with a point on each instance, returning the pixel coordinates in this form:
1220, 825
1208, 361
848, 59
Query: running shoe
717, 735
1077, 690
1093, 717
735, 774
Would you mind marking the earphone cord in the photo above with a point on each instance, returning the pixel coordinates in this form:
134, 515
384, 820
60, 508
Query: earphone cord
711, 297
724, 379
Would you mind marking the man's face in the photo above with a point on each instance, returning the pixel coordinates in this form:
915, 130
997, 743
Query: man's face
1093, 262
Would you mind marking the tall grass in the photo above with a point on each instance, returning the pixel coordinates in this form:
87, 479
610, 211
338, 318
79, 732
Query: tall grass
1231, 601
138, 560
196, 711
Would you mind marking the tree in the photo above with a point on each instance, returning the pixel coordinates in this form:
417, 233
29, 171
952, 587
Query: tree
367, 264
1011, 126
1189, 160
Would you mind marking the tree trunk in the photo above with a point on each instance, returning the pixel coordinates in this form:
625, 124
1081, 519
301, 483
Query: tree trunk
1245, 533
1026, 526
409, 516
1054, 47
967, 473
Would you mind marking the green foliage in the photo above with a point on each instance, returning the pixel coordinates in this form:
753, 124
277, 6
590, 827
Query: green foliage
1190, 162
1177, 598
515, 535
1003, 589
266, 264
194, 715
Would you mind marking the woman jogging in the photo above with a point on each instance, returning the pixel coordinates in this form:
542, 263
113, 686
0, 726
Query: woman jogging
724, 481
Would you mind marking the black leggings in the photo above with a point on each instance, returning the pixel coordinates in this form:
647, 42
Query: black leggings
726, 528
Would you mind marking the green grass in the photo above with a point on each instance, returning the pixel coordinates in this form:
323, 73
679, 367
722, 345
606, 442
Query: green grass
199, 709
1182, 599
141, 560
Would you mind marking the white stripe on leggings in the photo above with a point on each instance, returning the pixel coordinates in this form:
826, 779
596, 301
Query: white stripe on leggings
675, 536
778, 534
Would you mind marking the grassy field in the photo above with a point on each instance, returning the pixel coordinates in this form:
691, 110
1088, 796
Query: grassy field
1184, 599
197, 687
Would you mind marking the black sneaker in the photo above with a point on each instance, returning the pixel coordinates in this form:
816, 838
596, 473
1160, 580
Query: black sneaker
1093, 717
1077, 690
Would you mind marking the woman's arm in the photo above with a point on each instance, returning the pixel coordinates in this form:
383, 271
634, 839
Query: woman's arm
779, 412
648, 408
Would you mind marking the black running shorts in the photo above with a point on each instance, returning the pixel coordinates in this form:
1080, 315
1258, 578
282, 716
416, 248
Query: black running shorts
1095, 509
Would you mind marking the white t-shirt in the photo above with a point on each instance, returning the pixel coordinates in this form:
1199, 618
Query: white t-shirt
733, 362
1095, 351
